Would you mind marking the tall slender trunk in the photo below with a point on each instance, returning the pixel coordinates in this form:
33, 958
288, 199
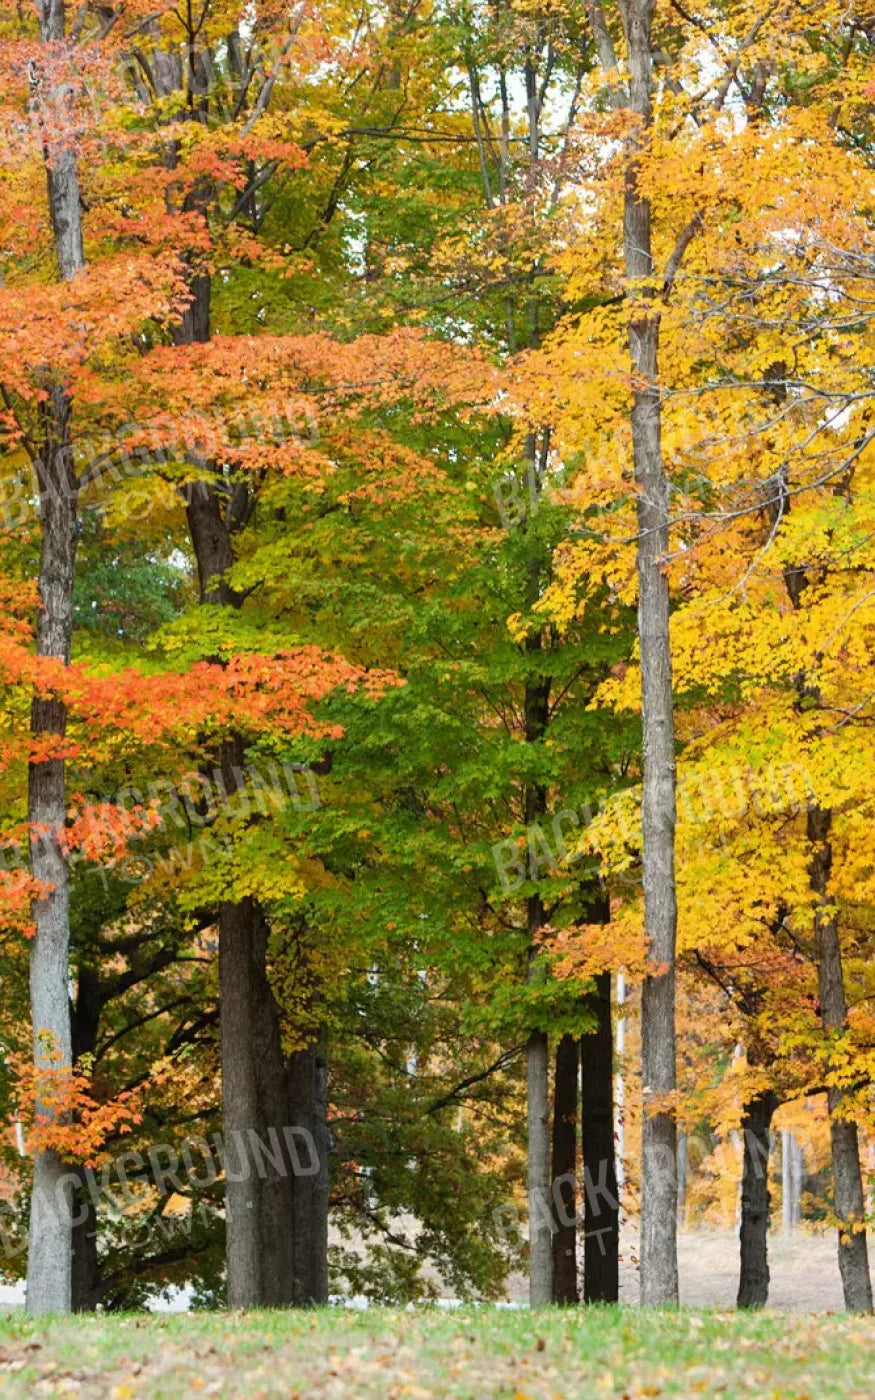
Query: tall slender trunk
756, 1127
847, 1176
537, 713
50, 1242
659, 1271
601, 1214
564, 1170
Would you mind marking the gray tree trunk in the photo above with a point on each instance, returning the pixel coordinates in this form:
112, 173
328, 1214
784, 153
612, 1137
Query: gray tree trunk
564, 1170
659, 1271
50, 1242
753, 1283
683, 1171
847, 1176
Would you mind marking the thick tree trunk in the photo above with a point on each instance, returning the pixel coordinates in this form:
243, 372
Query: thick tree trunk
601, 1216
85, 1276
756, 1127
258, 1189
565, 1289
50, 1244
659, 1273
847, 1176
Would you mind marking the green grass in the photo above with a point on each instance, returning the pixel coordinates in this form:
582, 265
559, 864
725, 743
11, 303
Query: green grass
575, 1354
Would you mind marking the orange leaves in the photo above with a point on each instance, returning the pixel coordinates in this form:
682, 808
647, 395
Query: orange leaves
316, 370
66, 323
101, 831
251, 691
272, 692
59, 1111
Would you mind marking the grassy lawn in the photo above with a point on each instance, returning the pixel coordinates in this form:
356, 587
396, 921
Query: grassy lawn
467, 1354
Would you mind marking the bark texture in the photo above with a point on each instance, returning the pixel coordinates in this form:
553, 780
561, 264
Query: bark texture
756, 1126
844, 1141
565, 1287
659, 1272
50, 1239
601, 1214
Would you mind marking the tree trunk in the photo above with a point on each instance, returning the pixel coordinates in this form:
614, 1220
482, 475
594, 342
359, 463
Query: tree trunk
258, 1187
844, 1142
601, 1215
564, 1171
322, 1180
537, 713
847, 1176
787, 1182
756, 1127
797, 1167
659, 1272
307, 1071
85, 1274
259, 1208
276, 1182
683, 1171
50, 1243
241, 1108
538, 1174
85, 1024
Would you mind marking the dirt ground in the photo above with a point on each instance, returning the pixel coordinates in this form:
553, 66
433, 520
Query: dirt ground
804, 1271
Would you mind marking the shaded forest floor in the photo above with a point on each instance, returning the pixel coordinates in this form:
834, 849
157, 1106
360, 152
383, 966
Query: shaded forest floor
467, 1354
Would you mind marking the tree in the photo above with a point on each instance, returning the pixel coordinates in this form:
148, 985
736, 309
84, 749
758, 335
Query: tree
48, 1284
